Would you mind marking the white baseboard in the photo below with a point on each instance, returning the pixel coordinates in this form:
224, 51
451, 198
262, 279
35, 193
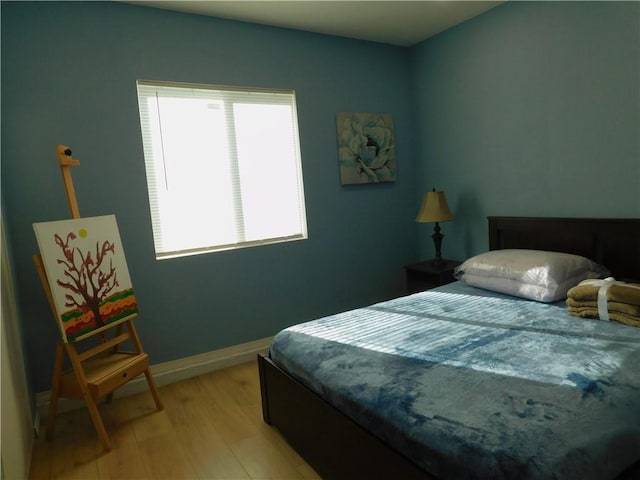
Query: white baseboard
171, 372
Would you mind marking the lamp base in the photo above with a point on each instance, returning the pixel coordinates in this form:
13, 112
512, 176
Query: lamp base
437, 242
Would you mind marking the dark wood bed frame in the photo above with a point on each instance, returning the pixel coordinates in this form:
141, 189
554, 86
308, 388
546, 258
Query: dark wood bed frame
338, 448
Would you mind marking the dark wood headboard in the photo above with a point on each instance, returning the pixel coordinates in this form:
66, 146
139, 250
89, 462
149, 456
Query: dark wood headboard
612, 242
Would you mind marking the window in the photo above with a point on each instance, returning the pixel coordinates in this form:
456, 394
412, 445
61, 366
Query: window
223, 167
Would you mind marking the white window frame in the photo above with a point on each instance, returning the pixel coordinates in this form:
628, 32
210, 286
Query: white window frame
227, 166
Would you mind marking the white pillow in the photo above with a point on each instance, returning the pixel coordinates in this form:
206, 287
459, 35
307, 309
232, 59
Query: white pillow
533, 274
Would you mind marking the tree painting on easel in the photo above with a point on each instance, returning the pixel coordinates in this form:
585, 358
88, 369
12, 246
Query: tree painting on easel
87, 272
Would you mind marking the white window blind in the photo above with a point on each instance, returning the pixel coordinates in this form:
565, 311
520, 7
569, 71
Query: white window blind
223, 167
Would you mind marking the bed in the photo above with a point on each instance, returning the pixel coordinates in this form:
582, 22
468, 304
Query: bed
493, 409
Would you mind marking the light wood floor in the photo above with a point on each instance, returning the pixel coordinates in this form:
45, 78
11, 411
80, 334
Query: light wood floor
211, 428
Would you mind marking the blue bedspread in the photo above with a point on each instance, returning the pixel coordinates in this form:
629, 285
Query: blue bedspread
472, 384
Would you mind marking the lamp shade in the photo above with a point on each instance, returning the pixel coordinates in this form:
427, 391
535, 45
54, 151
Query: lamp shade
434, 208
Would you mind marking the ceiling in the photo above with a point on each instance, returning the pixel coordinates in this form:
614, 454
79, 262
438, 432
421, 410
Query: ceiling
403, 23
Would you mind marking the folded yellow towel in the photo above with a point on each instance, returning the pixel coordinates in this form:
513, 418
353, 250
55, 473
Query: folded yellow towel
631, 320
617, 292
611, 306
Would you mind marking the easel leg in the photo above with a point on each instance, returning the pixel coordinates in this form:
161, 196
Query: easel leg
147, 373
154, 389
56, 385
97, 421
86, 395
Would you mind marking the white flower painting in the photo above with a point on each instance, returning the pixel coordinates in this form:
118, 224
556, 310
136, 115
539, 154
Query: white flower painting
366, 148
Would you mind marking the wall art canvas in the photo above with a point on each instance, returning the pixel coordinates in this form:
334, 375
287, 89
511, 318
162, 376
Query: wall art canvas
87, 272
366, 148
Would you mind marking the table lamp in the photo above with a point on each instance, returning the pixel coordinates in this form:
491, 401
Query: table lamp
435, 209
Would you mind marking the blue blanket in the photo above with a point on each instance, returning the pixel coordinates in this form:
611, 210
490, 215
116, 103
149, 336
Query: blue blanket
473, 384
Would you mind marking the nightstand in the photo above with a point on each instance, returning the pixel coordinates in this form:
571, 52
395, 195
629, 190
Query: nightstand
425, 275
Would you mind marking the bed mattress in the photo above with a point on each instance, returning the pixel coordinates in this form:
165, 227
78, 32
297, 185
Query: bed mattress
472, 384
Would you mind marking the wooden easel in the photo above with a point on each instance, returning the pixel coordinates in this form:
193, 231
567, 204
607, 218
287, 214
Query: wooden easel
98, 370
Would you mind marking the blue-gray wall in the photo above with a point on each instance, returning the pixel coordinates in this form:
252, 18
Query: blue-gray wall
69, 75
530, 109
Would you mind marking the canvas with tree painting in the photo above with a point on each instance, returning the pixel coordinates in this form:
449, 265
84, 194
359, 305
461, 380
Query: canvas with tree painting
87, 272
